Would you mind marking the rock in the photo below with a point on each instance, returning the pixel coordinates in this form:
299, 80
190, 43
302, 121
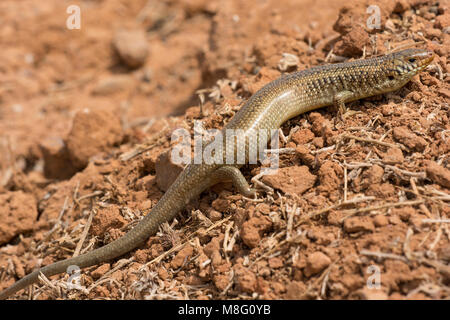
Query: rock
409, 139
252, 229
352, 43
132, 47
142, 256
221, 205
393, 156
221, 281
372, 294
106, 219
319, 125
216, 259
250, 235
318, 142
401, 6
293, 180
442, 21
162, 273
404, 213
93, 131
433, 33
182, 257
316, 262
18, 214
246, 280
380, 220
214, 215
437, 174
278, 287
262, 286
263, 208
372, 176
330, 176
388, 109
302, 136
304, 155
346, 20
275, 263
444, 92
100, 271
295, 290
395, 220
212, 246
166, 171
357, 224
444, 254
383, 190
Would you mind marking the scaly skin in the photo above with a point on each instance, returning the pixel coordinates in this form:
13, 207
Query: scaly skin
278, 101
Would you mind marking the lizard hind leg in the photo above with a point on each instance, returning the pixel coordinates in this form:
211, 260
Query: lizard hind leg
235, 175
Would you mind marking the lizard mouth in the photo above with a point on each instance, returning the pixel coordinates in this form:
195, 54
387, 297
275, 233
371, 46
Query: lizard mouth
414, 61
424, 58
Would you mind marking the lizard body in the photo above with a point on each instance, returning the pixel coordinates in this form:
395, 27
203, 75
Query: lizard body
278, 101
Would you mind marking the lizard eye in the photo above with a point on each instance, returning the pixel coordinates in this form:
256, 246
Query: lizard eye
412, 60
390, 77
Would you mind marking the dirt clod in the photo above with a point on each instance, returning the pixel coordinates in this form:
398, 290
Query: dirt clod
409, 139
18, 214
246, 280
101, 270
93, 131
182, 257
132, 47
293, 180
438, 174
166, 171
316, 262
357, 224
105, 219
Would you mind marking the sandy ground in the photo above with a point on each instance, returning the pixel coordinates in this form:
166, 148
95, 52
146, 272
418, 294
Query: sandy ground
359, 209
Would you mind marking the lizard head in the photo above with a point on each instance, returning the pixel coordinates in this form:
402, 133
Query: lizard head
401, 66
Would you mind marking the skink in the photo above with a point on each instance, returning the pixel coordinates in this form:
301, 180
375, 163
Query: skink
278, 101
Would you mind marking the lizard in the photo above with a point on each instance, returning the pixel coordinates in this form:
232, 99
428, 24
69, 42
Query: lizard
284, 98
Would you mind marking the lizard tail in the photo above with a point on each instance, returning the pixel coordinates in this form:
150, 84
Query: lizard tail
181, 192
112, 250
136, 236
